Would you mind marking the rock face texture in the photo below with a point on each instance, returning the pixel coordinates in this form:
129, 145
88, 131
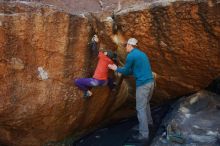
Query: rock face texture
84, 6
182, 41
41, 51
43, 48
194, 120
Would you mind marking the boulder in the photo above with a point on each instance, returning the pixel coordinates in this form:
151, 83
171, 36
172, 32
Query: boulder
181, 39
194, 120
43, 48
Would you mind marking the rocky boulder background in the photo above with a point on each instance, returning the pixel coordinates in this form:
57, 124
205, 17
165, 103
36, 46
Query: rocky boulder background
42, 51
182, 41
43, 48
192, 120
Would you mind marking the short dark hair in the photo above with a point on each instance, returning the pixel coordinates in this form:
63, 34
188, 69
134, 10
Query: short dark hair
112, 55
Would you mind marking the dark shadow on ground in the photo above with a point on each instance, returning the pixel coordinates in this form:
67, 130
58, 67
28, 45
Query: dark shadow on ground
214, 86
120, 134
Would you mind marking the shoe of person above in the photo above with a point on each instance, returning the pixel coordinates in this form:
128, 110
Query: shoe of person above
139, 137
87, 94
136, 127
115, 86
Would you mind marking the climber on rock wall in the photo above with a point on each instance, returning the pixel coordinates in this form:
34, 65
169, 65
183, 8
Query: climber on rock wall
100, 77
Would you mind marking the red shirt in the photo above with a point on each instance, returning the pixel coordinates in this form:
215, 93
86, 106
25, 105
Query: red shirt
101, 72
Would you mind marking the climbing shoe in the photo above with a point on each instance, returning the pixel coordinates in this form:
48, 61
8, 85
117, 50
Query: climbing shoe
87, 94
139, 137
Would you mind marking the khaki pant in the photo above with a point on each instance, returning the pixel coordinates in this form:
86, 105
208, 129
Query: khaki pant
143, 96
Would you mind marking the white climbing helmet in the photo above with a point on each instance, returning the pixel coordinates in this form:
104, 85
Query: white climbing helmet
132, 41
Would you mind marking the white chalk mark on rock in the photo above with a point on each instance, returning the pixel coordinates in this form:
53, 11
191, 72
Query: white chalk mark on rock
17, 63
42, 74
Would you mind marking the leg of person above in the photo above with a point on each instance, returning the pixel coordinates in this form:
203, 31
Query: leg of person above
141, 105
149, 117
142, 98
85, 84
111, 84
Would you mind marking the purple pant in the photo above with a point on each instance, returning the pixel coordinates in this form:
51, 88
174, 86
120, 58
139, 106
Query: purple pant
85, 84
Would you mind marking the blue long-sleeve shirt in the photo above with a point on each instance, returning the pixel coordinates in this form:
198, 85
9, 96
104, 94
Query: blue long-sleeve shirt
137, 64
